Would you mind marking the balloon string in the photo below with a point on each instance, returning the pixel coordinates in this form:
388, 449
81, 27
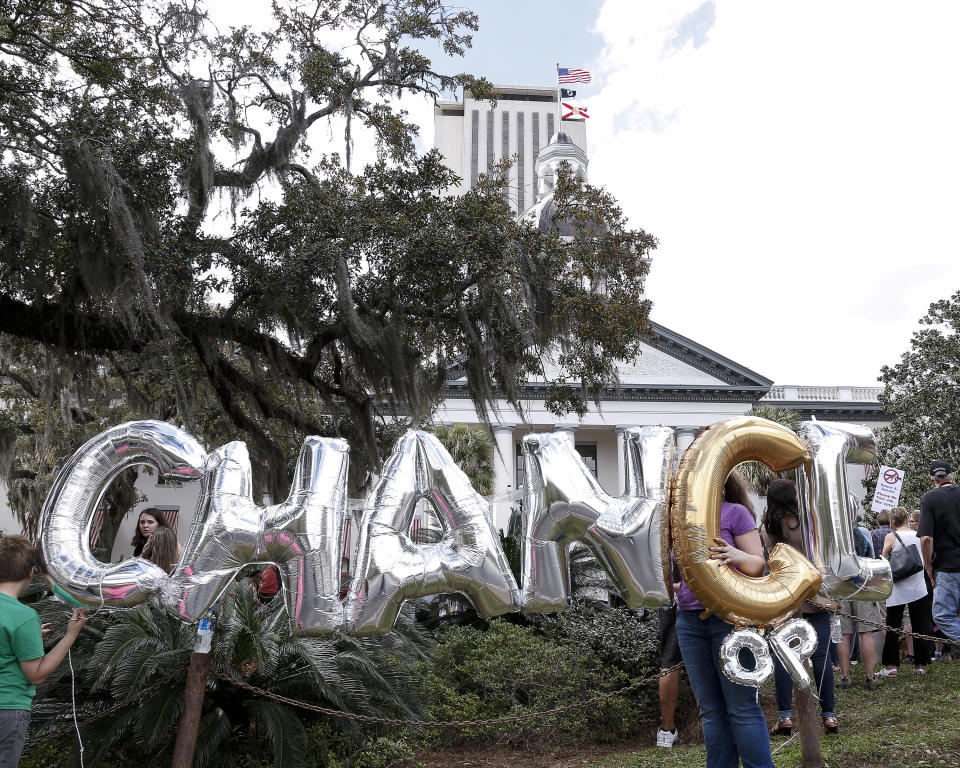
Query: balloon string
73, 703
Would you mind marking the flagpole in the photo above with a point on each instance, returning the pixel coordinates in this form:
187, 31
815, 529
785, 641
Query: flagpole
559, 119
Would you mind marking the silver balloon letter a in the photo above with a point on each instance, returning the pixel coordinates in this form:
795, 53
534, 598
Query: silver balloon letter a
391, 568
564, 503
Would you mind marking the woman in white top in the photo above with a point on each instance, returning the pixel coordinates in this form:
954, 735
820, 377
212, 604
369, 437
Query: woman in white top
911, 592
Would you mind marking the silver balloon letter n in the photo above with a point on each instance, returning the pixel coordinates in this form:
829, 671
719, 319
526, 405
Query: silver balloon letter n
564, 503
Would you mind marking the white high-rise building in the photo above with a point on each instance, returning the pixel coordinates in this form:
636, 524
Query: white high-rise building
473, 135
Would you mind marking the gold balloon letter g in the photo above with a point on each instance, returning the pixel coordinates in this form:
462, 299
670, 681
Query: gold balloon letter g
695, 518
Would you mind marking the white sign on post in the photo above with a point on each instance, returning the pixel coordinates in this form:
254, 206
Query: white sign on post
887, 493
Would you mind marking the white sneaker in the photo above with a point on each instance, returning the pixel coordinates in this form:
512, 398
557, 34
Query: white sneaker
885, 672
667, 738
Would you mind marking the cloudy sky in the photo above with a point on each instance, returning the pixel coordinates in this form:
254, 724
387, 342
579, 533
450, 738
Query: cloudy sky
798, 161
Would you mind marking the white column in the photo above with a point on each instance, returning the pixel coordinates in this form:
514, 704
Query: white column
569, 430
621, 458
686, 434
504, 472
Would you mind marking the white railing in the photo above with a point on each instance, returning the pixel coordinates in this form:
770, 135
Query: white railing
846, 394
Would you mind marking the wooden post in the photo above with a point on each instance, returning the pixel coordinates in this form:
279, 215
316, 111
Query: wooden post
192, 710
808, 727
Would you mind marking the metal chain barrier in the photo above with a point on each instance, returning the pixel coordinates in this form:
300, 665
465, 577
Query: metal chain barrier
444, 723
880, 625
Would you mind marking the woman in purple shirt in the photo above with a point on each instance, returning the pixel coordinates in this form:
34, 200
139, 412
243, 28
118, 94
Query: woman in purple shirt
734, 727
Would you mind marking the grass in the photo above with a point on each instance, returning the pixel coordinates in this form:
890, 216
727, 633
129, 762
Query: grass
910, 722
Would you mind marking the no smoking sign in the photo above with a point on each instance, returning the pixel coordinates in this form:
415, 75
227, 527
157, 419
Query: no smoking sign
887, 494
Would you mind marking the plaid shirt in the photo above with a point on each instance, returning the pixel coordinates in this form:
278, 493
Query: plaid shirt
878, 536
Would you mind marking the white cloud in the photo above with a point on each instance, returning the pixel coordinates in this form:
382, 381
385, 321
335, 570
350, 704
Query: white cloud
799, 163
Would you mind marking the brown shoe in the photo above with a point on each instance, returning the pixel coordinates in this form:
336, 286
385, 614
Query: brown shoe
872, 683
783, 727
830, 725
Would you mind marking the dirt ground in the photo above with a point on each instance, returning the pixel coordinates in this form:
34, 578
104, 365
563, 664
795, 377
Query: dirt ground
529, 758
546, 756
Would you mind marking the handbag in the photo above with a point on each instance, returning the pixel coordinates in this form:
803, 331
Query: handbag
906, 561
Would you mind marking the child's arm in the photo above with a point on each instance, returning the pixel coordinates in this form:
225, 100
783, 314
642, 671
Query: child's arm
38, 670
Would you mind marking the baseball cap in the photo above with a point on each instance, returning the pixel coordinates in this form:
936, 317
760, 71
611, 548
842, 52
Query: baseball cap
938, 468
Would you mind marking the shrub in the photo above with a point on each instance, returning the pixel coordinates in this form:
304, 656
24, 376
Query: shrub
618, 638
384, 752
513, 670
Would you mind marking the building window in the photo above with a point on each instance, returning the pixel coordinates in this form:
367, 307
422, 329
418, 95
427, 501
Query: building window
521, 160
474, 149
549, 126
587, 451
506, 148
489, 139
535, 131
519, 455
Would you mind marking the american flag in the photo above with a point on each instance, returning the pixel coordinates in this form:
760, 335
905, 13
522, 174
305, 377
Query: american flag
96, 527
565, 75
171, 516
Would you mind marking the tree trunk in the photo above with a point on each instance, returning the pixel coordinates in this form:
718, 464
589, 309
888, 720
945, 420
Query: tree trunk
805, 706
192, 711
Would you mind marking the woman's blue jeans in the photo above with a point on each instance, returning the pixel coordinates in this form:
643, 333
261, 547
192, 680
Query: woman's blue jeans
734, 727
823, 675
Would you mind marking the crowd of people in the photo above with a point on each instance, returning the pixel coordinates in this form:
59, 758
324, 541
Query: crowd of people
734, 726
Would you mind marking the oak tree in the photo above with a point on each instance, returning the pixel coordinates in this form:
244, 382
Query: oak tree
180, 240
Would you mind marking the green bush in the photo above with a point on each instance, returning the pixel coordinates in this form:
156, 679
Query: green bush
337, 743
384, 752
617, 637
512, 670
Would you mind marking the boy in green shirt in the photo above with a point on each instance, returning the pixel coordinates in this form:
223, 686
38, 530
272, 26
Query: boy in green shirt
23, 664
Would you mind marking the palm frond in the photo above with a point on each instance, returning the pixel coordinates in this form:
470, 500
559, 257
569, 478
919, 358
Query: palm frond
215, 731
159, 712
282, 728
101, 735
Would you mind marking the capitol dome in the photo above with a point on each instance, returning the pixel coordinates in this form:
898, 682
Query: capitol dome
541, 214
